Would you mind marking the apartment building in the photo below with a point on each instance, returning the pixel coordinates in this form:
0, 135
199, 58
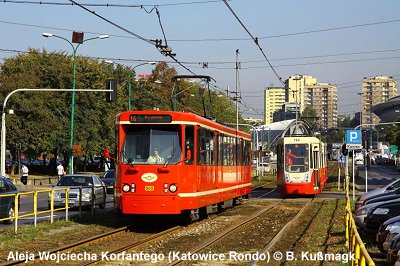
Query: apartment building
375, 90
322, 97
274, 97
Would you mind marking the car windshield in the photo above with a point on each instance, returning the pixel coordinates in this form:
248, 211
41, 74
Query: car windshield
151, 144
75, 181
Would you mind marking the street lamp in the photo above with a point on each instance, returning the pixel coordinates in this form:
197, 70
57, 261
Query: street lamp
74, 49
129, 79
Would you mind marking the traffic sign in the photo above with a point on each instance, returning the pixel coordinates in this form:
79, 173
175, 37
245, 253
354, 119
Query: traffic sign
353, 137
353, 146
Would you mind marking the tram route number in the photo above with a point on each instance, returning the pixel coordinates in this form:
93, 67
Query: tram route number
149, 188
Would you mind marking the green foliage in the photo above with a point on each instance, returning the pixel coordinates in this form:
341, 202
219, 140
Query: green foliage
41, 122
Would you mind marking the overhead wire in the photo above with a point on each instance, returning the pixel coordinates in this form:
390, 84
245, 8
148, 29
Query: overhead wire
107, 5
128, 31
255, 39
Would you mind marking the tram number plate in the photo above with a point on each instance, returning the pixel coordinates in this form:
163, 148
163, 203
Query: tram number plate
149, 188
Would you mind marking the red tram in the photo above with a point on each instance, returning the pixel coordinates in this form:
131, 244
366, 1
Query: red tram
179, 163
301, 165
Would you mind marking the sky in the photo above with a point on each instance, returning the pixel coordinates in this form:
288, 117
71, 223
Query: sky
338, 42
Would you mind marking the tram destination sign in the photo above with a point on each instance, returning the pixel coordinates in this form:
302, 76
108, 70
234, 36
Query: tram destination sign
150, 119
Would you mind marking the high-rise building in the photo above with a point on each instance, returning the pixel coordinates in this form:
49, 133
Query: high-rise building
322, 97
274, 97
375, 90
294, 89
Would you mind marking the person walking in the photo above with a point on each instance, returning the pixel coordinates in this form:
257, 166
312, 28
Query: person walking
60, 171
24, 176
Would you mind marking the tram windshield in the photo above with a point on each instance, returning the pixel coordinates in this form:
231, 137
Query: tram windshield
151, 144
296, 158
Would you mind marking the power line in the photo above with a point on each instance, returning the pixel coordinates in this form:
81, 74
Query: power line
109, 5
255, 39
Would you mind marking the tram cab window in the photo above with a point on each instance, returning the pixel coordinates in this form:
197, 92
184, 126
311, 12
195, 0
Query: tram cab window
296, 157
189, 141
141, 141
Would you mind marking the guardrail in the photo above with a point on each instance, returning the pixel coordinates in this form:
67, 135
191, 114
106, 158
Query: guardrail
35, 212
354, 243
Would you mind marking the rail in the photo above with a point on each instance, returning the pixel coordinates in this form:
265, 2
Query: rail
16, 215
354, 243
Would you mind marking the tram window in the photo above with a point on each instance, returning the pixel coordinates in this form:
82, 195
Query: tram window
246, 152
221, 150
206, 147
141, 141
296, 157
189, 137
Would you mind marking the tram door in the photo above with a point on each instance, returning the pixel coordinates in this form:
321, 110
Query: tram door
316, 162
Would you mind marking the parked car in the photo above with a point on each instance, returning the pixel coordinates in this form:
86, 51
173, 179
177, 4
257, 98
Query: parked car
92, 187
391, 255
385, 189
385, 229
109, 180
7, 203
379, 214
383, 197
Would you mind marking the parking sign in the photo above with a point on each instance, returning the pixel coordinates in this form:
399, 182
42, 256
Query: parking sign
353, 139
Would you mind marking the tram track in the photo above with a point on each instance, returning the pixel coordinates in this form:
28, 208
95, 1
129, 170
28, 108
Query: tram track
281, 232
222, 234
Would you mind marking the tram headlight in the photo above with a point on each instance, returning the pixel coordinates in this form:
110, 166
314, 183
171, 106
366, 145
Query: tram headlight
173, 188
133, 187
126, 188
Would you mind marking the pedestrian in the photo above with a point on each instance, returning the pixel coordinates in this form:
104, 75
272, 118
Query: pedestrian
60, 170
24, 176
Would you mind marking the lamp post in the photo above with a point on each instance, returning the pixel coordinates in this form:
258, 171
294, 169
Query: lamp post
129, 78
129, 82
74, 49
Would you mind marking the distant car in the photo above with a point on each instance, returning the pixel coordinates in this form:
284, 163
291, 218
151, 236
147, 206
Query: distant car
359, 161
109, 180
7, 204
92, 186
385, 189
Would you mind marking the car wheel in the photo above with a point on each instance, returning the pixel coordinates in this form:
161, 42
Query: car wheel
11, 213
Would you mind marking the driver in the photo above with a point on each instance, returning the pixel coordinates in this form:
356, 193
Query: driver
155, 158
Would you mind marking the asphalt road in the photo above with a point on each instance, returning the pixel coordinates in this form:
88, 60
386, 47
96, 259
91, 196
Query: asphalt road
26, 206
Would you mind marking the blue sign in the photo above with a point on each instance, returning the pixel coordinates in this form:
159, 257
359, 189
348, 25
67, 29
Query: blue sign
353, 137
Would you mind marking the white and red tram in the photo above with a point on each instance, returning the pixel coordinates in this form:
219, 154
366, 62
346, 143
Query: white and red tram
301, 165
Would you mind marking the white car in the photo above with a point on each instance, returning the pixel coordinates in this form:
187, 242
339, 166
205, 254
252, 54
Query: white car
93, 190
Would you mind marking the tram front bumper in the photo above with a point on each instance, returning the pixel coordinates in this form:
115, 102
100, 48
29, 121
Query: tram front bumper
133, 204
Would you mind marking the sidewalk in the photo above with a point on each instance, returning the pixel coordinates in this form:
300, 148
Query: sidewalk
35, 182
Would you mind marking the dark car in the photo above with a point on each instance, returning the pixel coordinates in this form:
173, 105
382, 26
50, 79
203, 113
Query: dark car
385, 229
384, 197
93, 190
109, 180
7, 203
379, 214
391, 256
379, 191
